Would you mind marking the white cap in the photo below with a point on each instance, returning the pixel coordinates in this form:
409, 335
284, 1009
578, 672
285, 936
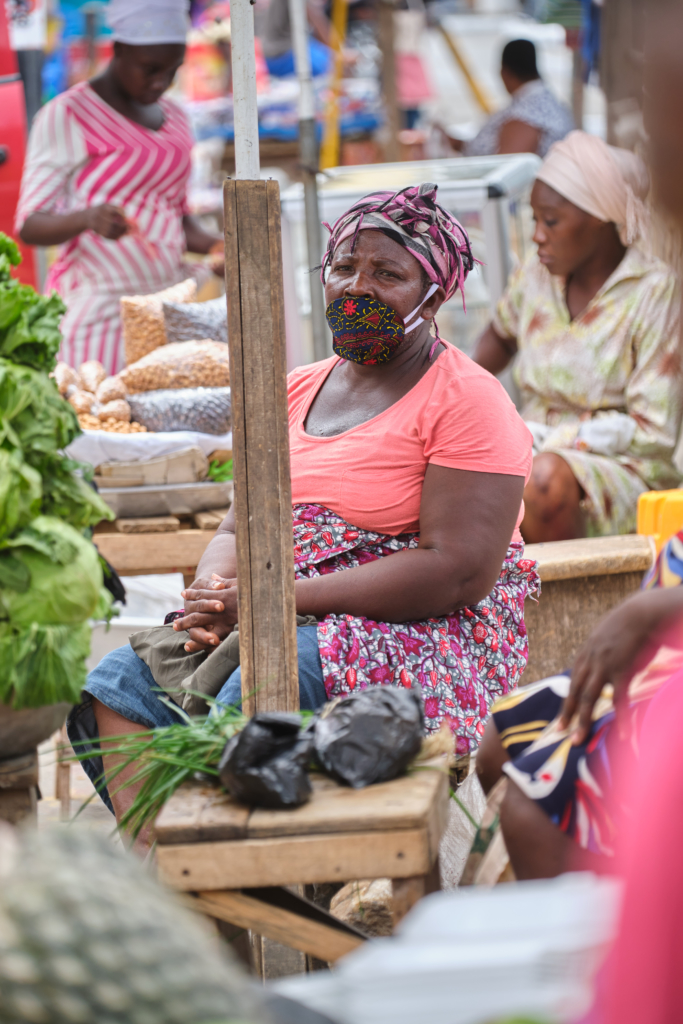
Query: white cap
148, 22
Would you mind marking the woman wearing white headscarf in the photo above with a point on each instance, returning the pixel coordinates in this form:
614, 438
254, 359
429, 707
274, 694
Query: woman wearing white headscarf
106, 179
593, 321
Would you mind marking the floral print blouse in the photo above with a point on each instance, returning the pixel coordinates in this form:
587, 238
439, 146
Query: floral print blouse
621, 354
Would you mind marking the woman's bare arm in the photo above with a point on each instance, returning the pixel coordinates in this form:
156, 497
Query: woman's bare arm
466, 522
493, 352
42, 228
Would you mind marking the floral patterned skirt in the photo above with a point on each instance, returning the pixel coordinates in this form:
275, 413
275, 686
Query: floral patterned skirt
611, 489
463, 662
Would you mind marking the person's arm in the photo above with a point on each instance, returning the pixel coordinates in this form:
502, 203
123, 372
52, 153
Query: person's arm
612, 653
518, 137
466, 522
494, 352
44, 228
197, 239
319, 22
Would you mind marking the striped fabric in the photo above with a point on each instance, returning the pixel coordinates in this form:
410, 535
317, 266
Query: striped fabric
82, 153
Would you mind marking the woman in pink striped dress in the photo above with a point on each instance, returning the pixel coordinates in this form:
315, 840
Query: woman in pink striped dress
106, 179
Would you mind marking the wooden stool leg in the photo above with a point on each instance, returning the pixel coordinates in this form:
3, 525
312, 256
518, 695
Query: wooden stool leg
63, 775
407, 891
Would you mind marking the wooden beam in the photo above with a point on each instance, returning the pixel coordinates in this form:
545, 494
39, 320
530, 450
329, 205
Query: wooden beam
317, 933
154, 552
596, 556
263, 494
293, 860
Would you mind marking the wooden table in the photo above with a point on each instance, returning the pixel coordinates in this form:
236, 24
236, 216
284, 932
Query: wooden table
235, 859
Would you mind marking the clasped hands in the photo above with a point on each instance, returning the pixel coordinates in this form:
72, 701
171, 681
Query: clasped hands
209, 616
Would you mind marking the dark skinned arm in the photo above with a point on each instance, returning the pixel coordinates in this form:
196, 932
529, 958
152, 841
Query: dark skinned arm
622, 643
42, 228
466, 522
518, 137
493, 352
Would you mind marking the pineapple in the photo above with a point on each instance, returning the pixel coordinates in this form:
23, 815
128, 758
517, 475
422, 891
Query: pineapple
88, 937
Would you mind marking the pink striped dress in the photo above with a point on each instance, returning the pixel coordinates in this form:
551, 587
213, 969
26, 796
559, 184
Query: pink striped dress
83, 153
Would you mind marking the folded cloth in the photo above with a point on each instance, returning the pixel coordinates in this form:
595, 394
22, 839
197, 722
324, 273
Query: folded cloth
188, 678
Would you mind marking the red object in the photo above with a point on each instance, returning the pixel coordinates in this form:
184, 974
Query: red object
12, 148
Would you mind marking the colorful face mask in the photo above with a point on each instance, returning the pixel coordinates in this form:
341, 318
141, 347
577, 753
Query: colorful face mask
368, 331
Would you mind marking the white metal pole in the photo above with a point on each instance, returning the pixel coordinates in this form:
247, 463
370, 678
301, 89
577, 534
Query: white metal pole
308, 154
244, 90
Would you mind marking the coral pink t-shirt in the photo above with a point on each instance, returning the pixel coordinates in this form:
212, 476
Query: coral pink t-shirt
457, 415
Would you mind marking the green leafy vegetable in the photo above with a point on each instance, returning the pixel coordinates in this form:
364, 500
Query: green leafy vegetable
67, 495
219, 472
33, 415
34, 336
42, 664
65, 575
20, 492
9, 256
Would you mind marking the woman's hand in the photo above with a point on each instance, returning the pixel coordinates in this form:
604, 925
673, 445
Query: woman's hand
209, 616
107, 220
615, 651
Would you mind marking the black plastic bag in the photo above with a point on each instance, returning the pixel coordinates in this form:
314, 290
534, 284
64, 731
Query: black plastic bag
370, 736
265, 764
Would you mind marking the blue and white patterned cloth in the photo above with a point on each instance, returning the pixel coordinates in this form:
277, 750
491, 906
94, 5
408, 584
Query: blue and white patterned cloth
535, 105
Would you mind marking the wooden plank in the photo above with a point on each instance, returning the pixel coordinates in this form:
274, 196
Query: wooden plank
402, 803
210, 520
148, 524
595, 556
263, 507
197, 813
154, 552
407, 891
323, 940
290, 860
19, 772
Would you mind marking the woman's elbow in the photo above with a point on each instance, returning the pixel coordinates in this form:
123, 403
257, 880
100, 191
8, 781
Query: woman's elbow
471, 589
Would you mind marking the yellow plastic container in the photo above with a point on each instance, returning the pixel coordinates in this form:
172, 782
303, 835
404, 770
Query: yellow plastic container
660, 515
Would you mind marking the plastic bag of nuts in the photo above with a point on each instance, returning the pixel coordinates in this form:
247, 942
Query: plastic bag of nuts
65, 376
116, 410
92, 374
82, 401
186, 364
110, 390
142, 318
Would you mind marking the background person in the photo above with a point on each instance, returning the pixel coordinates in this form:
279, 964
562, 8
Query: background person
532, 121
408, 464
593, 321
105, 178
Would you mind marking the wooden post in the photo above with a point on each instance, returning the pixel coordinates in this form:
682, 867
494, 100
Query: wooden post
260, 445
385, 25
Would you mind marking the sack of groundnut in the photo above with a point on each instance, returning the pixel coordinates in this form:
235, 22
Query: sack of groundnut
92, 374
142, 318
186, 364
187, 321
110, 390
206, 410
66, 377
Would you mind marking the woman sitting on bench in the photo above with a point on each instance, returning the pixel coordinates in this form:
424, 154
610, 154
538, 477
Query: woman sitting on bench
593, 322
408, 464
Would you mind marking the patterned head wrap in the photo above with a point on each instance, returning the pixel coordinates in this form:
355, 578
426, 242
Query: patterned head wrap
414, 219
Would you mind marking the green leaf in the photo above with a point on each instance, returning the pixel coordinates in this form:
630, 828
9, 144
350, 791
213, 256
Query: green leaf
42, 664
14, 575
220, 472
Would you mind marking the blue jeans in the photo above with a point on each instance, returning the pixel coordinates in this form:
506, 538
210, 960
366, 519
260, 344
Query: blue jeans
124, 683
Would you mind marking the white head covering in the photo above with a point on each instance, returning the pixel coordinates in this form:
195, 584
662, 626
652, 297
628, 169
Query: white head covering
607, 182
148, 22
